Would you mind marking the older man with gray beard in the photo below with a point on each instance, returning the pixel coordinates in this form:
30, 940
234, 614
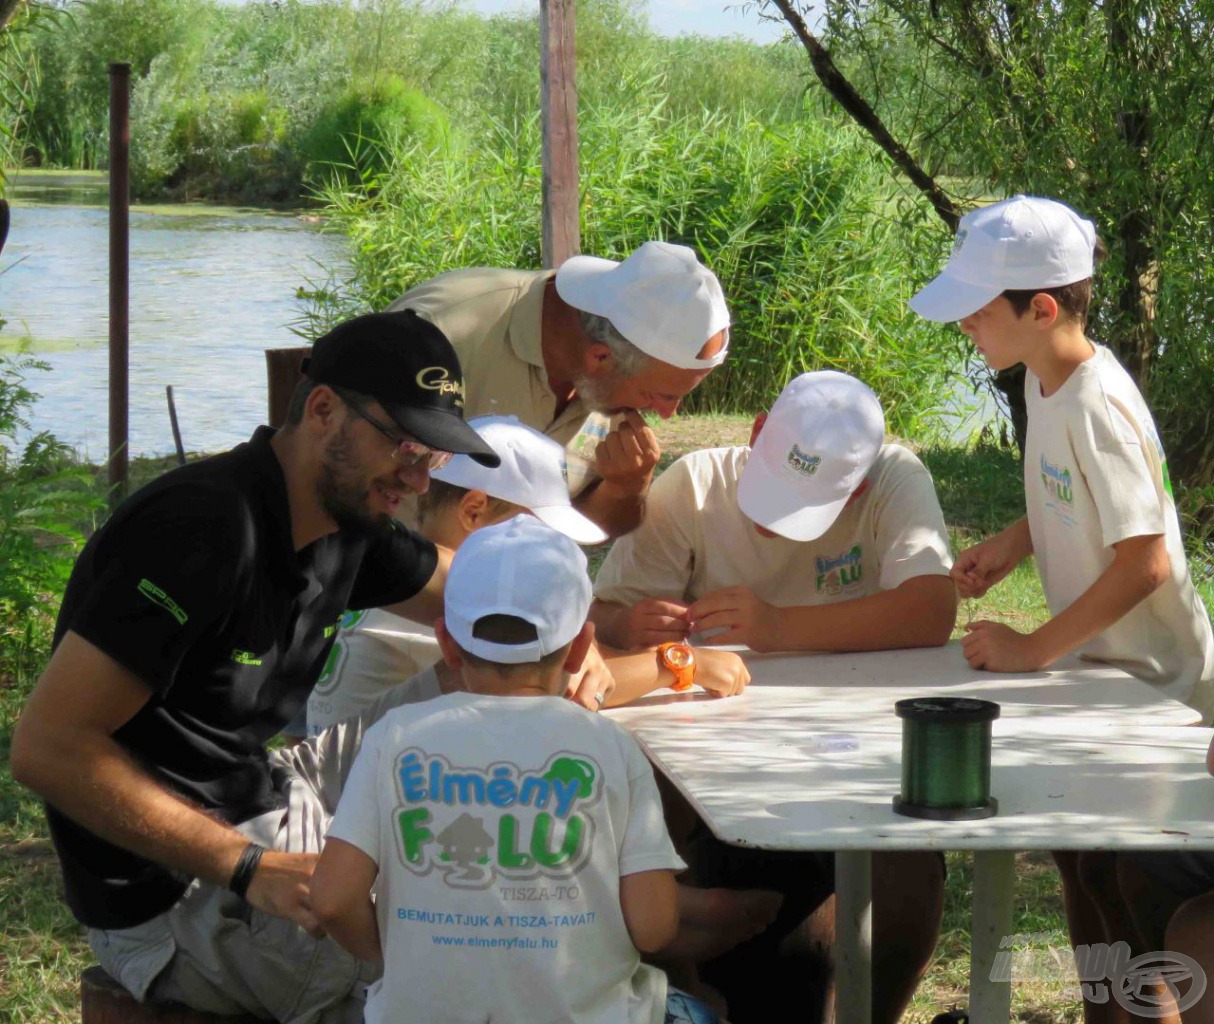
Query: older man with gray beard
579, 353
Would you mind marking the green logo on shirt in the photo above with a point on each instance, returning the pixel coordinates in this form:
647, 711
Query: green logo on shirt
244, 657
1057, 482
474, 825
842, 572
157, 596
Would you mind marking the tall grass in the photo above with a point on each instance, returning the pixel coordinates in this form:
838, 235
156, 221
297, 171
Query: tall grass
252, 101
795, 220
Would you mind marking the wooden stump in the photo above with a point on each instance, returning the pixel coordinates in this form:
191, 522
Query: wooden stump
282, 371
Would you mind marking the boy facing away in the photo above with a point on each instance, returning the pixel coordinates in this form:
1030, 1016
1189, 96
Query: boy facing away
1101, 517
516, 847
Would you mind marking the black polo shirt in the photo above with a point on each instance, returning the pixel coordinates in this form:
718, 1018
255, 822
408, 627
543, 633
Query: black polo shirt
195, 586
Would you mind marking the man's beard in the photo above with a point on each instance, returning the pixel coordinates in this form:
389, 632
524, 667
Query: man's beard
344, 491
595, 392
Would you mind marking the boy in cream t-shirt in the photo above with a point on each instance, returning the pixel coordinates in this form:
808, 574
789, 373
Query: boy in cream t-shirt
1101, 519
819, 536
515, 842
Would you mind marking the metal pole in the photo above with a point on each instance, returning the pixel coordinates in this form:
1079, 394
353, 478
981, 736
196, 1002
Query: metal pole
853, 937
994, 878
561, 236
120, 269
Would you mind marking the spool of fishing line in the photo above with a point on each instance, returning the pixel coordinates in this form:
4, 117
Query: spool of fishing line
946, 758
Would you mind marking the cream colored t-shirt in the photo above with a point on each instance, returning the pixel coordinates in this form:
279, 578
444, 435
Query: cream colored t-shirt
695, 539
374, 651
1095, 474
502, 827
492, 318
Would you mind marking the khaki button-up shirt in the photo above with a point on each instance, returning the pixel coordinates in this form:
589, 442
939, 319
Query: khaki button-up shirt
492, 318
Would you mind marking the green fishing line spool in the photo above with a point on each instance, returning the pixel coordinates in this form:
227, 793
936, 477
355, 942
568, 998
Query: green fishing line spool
946, 758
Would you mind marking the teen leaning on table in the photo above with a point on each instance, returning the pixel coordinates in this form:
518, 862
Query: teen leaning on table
1101, 519
819, 536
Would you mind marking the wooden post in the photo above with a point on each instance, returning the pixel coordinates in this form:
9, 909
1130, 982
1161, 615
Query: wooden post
558, 115
120, 274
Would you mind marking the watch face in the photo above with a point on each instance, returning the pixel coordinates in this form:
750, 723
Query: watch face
680, 656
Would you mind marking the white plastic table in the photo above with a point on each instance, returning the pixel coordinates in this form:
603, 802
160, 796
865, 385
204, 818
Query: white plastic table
1088, 759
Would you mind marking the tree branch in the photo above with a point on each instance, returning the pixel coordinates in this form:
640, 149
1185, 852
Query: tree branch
8, 8
844, 92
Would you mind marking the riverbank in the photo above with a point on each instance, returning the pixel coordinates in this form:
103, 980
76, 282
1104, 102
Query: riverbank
210, 289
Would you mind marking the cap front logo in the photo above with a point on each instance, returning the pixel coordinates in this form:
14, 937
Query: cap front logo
438, 378
803, 462
959, 241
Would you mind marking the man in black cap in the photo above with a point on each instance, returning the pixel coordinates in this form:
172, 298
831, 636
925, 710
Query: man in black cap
195, 622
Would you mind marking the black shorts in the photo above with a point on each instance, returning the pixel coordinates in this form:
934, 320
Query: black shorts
806, 878
1187, 873
782, 966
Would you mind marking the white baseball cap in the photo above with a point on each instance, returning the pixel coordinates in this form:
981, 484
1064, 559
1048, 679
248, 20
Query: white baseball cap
1019, 244
531, 474
815, 449
523, 568
662, 299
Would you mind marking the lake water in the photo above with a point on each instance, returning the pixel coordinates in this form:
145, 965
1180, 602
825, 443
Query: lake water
211, 289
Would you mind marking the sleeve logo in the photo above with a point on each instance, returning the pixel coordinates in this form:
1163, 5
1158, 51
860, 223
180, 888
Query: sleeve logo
157, 596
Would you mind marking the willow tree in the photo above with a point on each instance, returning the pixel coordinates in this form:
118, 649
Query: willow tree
1105, 104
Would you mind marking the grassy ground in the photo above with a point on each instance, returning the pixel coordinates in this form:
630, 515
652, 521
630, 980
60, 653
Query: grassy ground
42, 951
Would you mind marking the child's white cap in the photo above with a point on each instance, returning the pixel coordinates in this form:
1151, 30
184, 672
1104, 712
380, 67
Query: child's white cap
1020, 244
815, 449
523, 568
662, 299
531, 474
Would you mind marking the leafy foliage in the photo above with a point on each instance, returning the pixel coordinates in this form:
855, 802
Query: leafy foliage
794, 221
47, 500
1108, 106
19, 73
249, 101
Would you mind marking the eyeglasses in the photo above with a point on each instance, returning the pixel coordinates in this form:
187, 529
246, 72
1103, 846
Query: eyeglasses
406, 451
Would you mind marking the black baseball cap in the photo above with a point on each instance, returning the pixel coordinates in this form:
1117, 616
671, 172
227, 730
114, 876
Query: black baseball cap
407, 365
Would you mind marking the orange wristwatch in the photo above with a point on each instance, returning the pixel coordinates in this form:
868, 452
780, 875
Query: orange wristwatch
681, 660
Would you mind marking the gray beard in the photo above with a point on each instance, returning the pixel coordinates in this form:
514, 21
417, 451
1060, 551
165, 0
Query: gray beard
593, 392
